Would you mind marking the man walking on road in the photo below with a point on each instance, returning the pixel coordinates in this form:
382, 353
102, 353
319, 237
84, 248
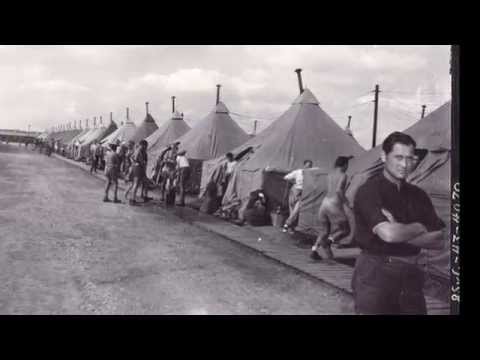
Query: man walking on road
333, 222
394, 221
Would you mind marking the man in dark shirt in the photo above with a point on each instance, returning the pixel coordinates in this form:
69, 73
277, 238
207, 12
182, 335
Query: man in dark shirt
394, 221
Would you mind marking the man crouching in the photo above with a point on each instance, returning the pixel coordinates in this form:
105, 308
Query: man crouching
112, 170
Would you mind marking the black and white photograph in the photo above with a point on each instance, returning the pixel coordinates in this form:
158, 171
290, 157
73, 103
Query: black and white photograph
229, 180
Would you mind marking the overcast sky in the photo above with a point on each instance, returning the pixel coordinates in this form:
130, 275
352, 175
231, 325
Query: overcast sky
50, 85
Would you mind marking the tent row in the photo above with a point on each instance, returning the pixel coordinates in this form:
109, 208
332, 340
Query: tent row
303, 131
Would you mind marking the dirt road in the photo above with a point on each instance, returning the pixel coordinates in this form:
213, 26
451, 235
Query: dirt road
64, 251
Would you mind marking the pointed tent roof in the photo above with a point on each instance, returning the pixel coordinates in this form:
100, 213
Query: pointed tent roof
96, 135
213, 136
99, 133
303, 132
145, 129
166, 134
123, 133
79, 135
82, 137
433, 132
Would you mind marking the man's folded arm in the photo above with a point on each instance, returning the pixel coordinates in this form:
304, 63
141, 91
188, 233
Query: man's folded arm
397, 232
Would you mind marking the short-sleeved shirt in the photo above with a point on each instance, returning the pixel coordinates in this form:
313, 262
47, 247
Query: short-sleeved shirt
409, 204
230, 167
182, 161
296, 175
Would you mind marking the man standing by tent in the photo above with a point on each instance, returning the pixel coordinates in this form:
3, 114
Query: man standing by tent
128, 159
93, 164
112, 169
183, 171
229, 169
98, 155
394, 221
160, 171
139, 169
295, 194
333, 222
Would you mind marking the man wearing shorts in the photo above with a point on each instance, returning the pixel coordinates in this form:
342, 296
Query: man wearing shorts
139, 169
333, 222
111, 172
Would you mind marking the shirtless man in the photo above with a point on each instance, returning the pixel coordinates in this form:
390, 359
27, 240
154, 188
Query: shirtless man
112, 171
333, 222
139, 167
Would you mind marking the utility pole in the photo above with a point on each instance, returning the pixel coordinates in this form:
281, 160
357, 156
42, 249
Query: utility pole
255, 127
423, 111
375, 116
173, 104
218, 94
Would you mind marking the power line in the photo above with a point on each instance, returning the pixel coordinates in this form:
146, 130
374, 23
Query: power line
404, 112
252, 117
437, 93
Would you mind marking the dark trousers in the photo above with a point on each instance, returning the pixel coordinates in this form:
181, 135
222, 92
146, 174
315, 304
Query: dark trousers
384, 286
183, 175
94, 165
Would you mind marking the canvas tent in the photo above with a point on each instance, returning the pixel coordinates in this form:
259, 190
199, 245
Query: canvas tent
433, 137
69, 135
80, 139
123, 134
96, 135
166, 134
70, 145
213, 136
145, 129
303, 132
65, 138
